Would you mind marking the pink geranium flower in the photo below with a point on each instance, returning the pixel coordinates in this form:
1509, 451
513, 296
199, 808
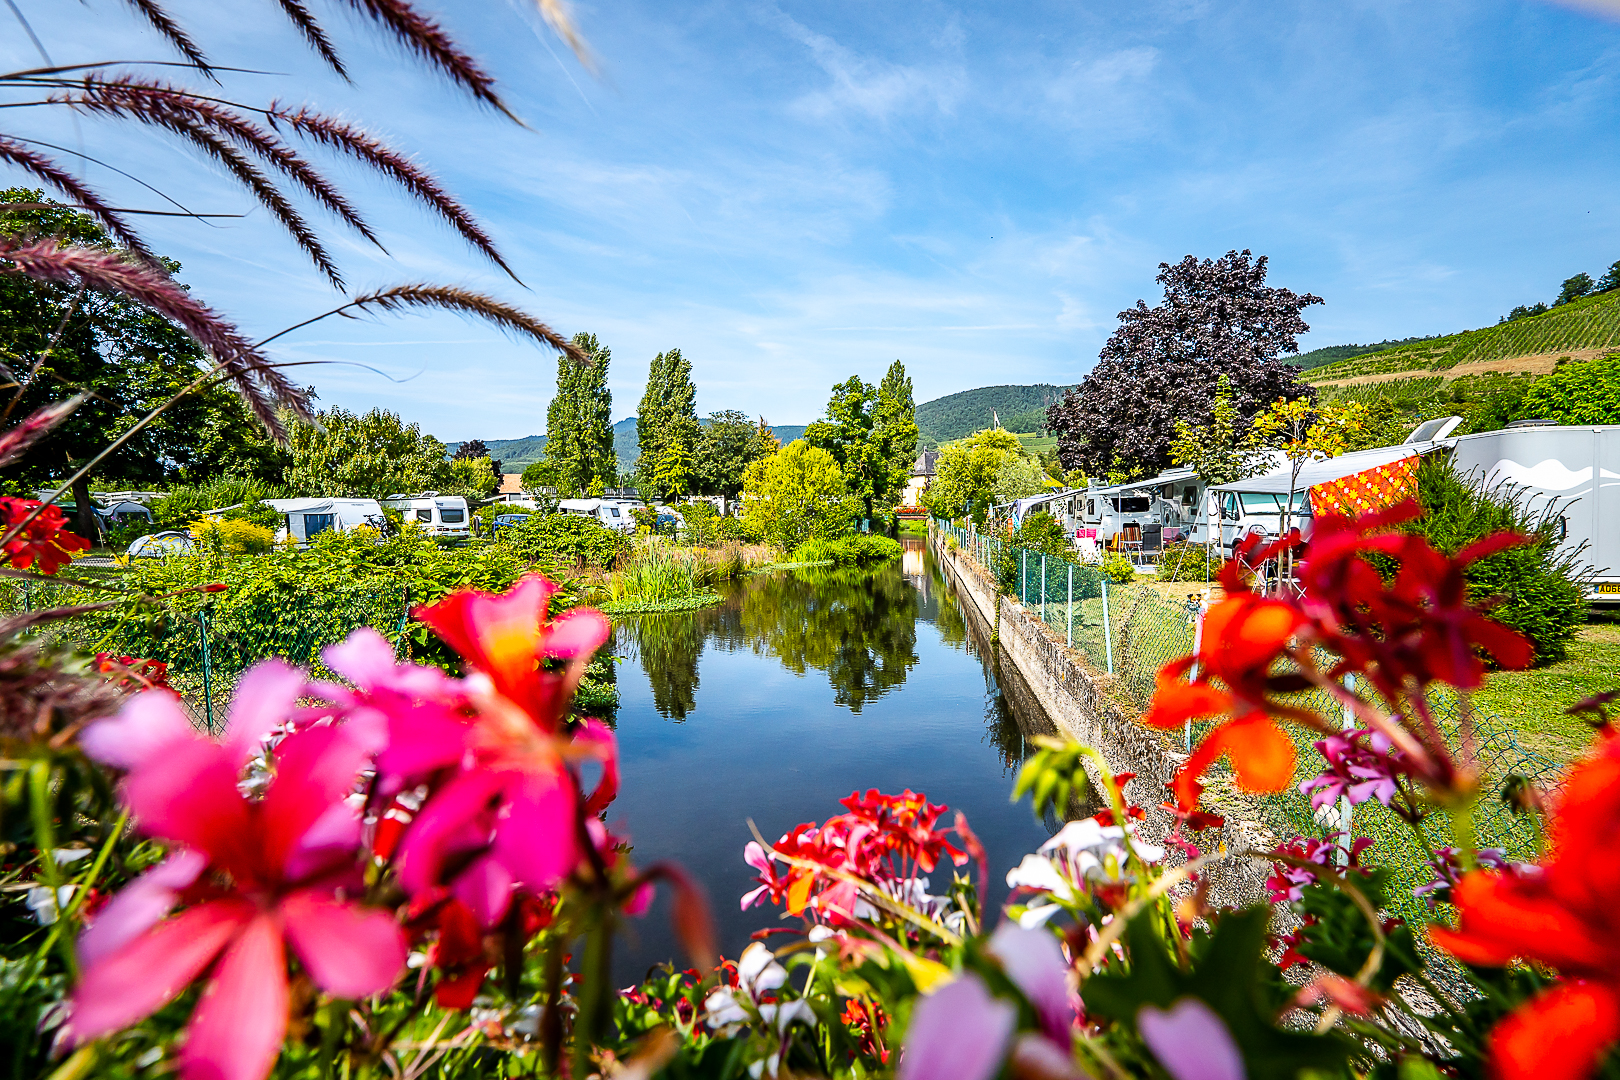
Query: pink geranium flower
506, 818
257, 874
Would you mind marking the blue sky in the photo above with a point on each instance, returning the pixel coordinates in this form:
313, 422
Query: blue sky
793, 192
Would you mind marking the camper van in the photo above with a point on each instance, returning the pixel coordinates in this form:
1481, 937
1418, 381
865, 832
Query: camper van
308, 518
435, 514
614, 513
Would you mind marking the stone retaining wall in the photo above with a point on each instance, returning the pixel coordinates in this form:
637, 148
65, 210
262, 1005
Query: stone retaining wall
1074, 698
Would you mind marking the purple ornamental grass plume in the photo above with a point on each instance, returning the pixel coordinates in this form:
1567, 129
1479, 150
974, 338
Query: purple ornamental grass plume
260, 383
43, 168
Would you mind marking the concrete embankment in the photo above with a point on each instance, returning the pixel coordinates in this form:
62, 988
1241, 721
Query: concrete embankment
1076, 700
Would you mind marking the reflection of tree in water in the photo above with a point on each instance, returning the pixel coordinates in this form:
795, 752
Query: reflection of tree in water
859, 627
669, 647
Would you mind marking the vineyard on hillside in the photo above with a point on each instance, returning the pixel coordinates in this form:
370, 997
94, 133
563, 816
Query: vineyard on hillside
1593, 323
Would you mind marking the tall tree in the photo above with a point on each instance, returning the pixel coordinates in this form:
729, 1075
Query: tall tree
668, 416
727, 445
370, 455
579, 434
58, 339
872, 433
1162, 364
895, 428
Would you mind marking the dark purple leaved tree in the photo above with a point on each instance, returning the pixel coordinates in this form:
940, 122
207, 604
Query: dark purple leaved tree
1219, 317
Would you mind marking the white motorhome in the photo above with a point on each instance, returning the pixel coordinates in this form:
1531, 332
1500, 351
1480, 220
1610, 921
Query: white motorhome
308, 518
614, 513
435, 514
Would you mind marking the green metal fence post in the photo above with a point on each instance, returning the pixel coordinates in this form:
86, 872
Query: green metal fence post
1108, 636
1068, 634
28, 595
1043, 586
208, 672
1023, 576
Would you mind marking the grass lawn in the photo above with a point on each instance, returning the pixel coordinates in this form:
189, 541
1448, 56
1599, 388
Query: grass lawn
1533, 702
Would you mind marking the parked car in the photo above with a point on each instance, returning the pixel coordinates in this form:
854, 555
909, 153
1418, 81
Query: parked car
162, 545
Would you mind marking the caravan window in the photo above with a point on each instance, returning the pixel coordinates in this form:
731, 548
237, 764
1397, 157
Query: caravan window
1134, 504
1091, 508
450, 516
614, 510
424, 515
318, 523
1259, 504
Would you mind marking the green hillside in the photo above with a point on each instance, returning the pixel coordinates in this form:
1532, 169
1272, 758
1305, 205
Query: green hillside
1590, 324
515, 454
1333, 353
955, 416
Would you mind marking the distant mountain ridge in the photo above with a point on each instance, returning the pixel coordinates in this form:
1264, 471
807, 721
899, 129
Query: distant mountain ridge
517, 454
955, 416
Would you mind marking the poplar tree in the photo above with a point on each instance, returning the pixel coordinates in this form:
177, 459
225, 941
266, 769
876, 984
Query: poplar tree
895, 429
667, 426
579, 434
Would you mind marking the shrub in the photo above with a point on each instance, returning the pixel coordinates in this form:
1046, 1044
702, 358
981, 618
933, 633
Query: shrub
233, 536
734, 530
1540, 589
570, 537
1585, 393
1118, 569
864, 549
1187, 561
186, 502
701, 521
1041, 532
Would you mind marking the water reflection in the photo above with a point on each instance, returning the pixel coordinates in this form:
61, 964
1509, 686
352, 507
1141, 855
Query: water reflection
802, 687
856, 627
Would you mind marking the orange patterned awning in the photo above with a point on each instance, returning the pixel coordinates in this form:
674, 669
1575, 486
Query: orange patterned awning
1363, 492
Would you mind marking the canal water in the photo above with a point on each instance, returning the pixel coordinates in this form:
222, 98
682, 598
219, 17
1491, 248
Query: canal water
804, 686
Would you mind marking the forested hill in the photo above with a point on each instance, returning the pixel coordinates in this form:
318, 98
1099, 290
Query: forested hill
515, 454
955, 416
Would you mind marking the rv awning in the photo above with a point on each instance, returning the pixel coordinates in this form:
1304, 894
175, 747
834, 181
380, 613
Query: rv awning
1321, 472
300, 506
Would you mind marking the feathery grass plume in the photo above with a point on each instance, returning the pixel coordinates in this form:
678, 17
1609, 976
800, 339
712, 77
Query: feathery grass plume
557, 16
208, 125
425, 37
264, 388
374, 152
173, 33
314, 34
91, 203
461, 301
14, 442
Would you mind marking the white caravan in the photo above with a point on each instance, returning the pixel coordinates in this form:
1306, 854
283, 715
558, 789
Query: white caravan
614, 513
308, 518
434, 514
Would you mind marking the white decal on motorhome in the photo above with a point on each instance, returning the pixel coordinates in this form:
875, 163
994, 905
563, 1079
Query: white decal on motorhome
1549, 475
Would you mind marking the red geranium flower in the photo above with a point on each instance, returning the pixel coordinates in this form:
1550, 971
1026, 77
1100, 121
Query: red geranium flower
1561, 914
45, 541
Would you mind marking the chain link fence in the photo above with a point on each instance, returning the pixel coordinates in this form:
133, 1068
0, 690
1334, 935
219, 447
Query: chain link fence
1130, 631
208, 646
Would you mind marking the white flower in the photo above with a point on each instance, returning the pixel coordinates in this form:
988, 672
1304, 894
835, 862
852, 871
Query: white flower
1088, 847
757, 973
45, 904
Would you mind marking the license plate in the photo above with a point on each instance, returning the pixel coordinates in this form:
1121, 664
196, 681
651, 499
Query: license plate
1609, 588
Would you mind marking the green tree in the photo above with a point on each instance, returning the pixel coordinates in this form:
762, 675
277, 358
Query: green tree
1610, 280
872, 433
1220, 453
370, 455
1577, 393
537, 476
668, 415
988, 467
474, 478
579, 432
57, 340
726, 446
895, 428
797, 494
1574, 288
673, 474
